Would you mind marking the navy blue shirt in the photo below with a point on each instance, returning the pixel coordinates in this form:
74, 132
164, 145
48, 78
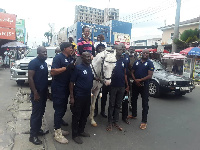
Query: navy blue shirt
126, 62
118, 75
61, 81
40, 77
141, 69
83, 79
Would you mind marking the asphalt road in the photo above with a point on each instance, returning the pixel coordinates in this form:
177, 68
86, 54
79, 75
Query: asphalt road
172, 123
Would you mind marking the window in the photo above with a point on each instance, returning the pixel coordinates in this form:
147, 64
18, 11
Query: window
172, 34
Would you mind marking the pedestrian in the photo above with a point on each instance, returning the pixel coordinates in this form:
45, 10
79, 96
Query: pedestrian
80, 97
142, 71
57, 51
62, 66
118, 80
38, 82
74, 46
7, 56
85, 44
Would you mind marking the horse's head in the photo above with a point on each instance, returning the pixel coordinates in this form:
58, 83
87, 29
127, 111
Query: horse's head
108, 64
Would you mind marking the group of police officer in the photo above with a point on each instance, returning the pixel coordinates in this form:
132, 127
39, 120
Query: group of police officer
76, 82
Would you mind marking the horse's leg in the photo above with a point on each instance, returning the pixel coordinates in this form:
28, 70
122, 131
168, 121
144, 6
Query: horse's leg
95, 92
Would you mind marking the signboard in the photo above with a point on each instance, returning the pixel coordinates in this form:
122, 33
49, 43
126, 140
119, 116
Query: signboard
20, 30
7, 20
122, 38
8, 34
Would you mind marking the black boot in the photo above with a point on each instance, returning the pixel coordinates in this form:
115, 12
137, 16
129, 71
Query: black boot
35, 140
103, 114
95, 113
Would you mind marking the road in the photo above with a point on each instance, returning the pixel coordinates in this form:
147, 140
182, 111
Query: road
172, 123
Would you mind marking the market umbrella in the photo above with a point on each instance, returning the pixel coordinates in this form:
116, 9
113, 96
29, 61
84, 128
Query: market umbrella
13, 44
174, 56
194, 51
185, 51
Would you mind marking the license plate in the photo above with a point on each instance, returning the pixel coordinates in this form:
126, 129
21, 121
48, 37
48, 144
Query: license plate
184, 89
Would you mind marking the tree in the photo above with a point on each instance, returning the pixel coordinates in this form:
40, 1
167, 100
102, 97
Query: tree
48, 35
187, 38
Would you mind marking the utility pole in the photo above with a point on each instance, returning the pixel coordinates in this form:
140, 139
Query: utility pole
176, 27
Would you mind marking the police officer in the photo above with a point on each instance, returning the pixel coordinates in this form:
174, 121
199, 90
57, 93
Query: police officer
38, 82
80, 97
61, 71
142, 71
118, 80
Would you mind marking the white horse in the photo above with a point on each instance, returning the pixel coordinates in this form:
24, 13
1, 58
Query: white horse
102, 67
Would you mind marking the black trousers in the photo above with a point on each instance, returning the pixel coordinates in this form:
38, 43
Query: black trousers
125, 103
116, 96
38, 109
144, 91
60, 107
80, 112
105, 91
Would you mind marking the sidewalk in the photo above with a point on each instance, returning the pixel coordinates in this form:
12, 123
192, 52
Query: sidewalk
21, 110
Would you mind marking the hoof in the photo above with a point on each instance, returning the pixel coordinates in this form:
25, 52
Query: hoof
94, 125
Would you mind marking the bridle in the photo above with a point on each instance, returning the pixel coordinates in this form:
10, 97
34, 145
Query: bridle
102, 76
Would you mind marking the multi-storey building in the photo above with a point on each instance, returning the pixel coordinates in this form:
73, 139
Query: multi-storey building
95, 16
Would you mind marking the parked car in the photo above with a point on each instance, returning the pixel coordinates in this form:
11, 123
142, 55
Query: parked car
19, 70
164, 82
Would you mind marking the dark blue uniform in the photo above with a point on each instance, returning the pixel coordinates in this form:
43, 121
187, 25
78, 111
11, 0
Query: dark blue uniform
125, 97
83, 79
141, 71
117, 91
41, 84
60, 88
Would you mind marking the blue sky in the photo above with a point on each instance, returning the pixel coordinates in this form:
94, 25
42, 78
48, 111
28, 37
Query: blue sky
152, 13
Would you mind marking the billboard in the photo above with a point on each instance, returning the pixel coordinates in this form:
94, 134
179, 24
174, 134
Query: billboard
6, 33
7, 20
122, 38
20, 30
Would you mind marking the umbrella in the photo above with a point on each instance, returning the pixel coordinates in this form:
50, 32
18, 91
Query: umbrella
194, 51
13, 44
174, 56
187, 50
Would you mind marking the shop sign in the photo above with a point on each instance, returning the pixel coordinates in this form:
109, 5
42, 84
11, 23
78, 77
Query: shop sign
8, 34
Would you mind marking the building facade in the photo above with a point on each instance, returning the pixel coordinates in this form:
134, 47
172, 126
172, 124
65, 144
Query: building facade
95, 16
168, 31
114, 32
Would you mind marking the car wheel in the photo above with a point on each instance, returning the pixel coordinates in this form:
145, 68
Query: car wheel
154, 90
20, 82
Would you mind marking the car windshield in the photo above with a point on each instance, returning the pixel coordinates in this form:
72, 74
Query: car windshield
33, 53
158, 66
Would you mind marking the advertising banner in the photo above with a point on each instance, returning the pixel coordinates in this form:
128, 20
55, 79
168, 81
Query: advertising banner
122, 38
6, 33
7, 20
20, 30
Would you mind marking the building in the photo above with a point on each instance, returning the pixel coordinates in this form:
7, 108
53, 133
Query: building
154, 40
168, 31
62, 35
95, 16
114, 31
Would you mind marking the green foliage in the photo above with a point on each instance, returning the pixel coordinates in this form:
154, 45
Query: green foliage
48, 35
190, 35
